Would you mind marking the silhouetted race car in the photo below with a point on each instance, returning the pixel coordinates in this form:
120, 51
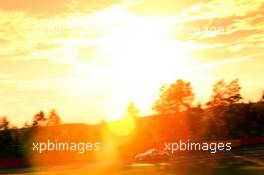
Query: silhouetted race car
152, 155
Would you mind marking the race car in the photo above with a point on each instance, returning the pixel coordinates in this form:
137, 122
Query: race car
153, 155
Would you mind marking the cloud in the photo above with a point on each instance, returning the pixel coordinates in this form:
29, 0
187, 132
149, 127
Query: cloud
29, 37
221, 9
52, 8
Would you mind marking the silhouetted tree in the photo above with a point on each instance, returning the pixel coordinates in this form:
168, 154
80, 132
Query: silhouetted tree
223, 116
225, 94
4, 123
53, 118
39, 119
174, 98
132, 110
262, 97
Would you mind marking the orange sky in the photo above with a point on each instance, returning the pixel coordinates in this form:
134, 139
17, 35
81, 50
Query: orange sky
90, 58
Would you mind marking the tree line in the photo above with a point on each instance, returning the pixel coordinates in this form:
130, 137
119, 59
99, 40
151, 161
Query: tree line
224, 116
39, 119
176, 116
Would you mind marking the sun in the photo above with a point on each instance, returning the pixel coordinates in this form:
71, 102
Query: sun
145, 49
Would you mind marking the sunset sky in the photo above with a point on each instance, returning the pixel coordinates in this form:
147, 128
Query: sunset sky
90, 58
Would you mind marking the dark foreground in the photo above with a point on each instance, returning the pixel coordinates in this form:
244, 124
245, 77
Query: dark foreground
241, 161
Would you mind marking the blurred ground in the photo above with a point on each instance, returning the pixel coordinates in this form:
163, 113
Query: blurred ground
247, 160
